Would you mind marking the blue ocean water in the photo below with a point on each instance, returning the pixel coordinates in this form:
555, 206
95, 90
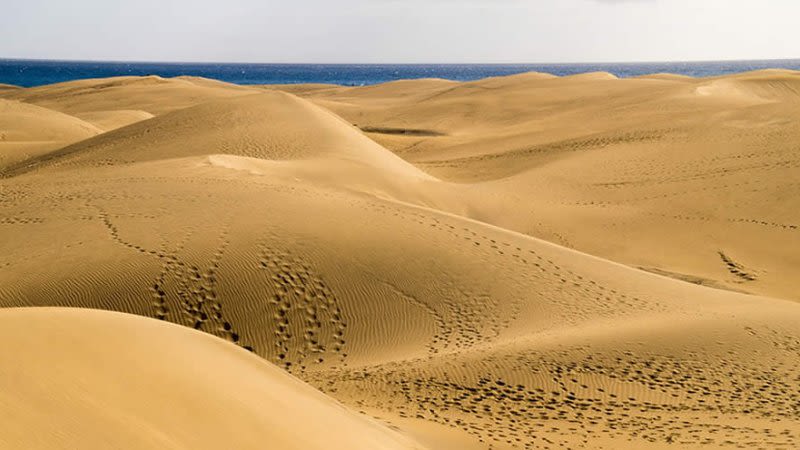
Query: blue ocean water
39, 72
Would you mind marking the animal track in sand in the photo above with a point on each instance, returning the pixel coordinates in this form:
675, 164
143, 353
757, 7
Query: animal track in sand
623, 395
20, 220
736, 268
568, 145
759, 222
309, 324
184, 287
710, 174
442, 338
402, 131
470, 318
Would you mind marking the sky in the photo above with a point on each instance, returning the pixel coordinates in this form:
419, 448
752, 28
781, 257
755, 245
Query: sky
400, 31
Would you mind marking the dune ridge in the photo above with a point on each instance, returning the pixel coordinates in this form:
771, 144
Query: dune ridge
512, 263
707, 154
70, 386
28, 131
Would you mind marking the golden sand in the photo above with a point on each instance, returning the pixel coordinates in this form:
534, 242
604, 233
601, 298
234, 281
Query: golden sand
512, 263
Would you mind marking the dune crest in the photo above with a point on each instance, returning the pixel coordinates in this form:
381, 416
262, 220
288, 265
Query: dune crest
666, 77
268, 125
28, 131
93, 379
153, 94
653, 155
111, 120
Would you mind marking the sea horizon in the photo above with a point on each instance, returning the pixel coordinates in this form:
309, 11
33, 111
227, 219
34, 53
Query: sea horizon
38, 72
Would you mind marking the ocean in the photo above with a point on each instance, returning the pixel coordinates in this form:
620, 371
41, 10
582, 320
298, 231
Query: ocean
29, 73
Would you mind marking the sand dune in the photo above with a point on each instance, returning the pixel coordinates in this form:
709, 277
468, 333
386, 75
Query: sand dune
592, 76
93, 106
8, 87
773, 86
27, 131
268, 126
666, 77
127, 93
26, 122
89, 379
301, 89
111, 120
655, 159
460, 261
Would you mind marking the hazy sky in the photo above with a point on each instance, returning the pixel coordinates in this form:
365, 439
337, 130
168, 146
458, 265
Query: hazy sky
374, 31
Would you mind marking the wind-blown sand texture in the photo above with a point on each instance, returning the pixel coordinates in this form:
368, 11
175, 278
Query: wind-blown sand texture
513, 263
97, 379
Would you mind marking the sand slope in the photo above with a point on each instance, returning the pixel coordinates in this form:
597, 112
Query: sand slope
111, 120
91, 107
91, 379
152, 94
415, 316
8, 87
268, 126
703, 161
27, 131
465, 310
